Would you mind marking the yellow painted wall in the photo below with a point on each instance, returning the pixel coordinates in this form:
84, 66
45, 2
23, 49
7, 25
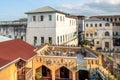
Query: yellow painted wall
8, 73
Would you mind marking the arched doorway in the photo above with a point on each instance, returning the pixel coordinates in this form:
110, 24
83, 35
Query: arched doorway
83, 74
64, 72
45, 72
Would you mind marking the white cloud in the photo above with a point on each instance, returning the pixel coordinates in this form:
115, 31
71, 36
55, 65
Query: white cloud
97, 7
107, 1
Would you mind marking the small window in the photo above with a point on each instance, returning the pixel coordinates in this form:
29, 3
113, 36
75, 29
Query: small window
115, 19
111, 19
95, 33
91, 25
57, 18
91, 35
86, 35
21, 37
42, 40
97, 42
50, 17
116, 33
60, 18
107, 24
35, 40
9, 36
95, 25
41, 18
58, 39
34, 18
107, 33
100, 25
61, 38
50, 40
86, 25
107, 19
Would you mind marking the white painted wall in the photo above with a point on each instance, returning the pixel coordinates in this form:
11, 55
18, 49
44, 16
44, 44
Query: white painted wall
48, 28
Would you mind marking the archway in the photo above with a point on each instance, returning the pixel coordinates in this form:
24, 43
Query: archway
63, 74
45, 72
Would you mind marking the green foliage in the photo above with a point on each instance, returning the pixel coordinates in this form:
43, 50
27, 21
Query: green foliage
38, 75
85, 42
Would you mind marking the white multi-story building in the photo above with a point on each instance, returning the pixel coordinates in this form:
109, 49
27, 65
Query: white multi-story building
99, 33
115, 21
48, 25
14, 29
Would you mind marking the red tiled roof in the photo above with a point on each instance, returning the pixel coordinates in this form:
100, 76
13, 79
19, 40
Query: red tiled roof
14, 49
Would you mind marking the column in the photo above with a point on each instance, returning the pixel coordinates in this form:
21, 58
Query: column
53, 74
74, 77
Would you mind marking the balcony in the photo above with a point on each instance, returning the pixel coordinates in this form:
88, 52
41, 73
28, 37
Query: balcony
25, 74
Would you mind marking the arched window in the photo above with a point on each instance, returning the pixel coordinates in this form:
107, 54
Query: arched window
86, 25
86, 35
95, 33
100, 25
107, 33
107, 24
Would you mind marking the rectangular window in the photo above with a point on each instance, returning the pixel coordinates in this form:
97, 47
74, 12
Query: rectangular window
35, 40
97, 42
50, 17
34, 18
41, 18
116, 33
57, 18
61, 38
58, 39
60, 18
50, 40
42, 40
86, 25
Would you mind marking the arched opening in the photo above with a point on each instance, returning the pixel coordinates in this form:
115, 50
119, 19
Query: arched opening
107, 24
63, 74
83, 75
107, 33
45, 73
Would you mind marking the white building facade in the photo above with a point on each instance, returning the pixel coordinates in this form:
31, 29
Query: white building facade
14, 29
48, 25
115, 20
99, 33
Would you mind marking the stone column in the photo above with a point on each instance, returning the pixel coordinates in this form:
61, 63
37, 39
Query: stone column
74, 77
53, 74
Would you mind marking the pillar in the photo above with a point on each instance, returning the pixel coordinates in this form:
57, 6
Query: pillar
74, 77
53, 74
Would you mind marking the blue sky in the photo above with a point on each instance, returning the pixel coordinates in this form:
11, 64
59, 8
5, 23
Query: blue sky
15, 9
